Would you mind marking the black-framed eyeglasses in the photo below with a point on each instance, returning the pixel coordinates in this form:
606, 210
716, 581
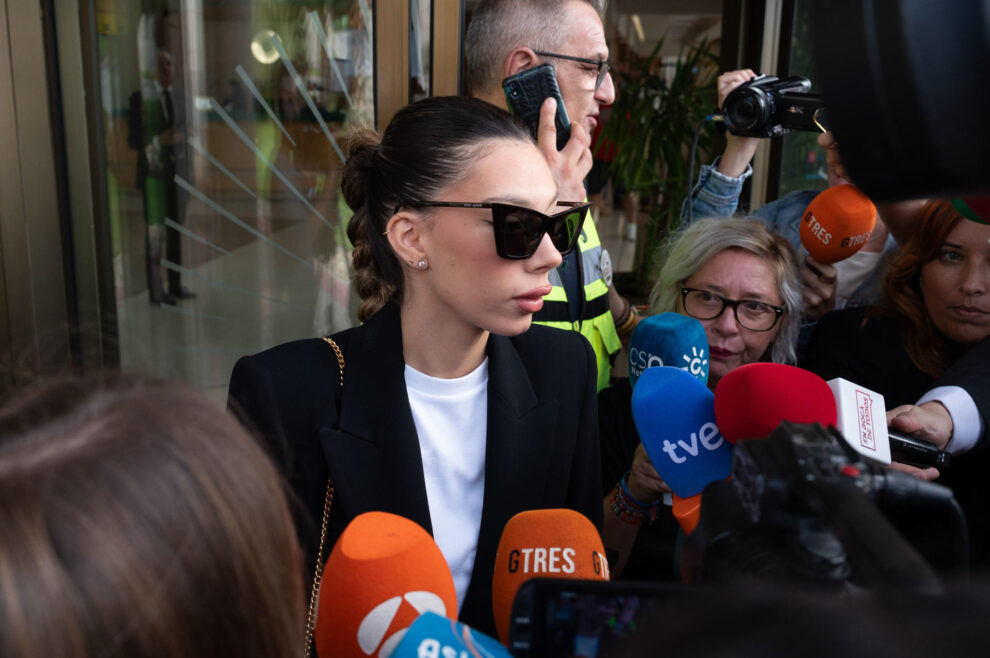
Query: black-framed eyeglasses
750, 313
601, 65
518, 230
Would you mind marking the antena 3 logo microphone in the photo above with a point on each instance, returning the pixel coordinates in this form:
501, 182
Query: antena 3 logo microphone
383, 573
548, 543
668, 339
675, 417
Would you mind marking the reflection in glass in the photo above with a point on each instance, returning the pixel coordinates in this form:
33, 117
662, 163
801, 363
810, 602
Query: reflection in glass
224, 132
803, 161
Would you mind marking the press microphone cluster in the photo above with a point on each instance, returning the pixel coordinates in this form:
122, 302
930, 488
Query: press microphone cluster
387, 591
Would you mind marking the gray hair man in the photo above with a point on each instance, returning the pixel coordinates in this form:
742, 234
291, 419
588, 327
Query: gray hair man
509, 36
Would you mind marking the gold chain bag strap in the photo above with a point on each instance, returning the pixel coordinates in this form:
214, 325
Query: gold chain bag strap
314, 594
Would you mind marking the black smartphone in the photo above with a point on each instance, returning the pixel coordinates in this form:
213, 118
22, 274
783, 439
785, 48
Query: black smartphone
917, 451
525, 92
552, 616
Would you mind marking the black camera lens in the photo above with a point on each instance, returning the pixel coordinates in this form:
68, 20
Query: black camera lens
747, 113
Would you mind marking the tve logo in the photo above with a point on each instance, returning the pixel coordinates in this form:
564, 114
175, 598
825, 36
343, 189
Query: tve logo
675, 417
373, 628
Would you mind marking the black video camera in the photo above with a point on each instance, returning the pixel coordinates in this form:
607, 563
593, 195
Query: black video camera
767, 106
803, 506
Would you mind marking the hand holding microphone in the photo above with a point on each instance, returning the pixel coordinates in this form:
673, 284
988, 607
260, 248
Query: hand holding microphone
820, 285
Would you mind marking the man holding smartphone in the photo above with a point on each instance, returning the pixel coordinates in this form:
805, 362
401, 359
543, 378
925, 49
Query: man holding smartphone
505, 37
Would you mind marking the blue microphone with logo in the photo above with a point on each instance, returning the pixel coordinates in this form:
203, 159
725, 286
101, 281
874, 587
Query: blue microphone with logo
435, 636
674, 414
668, 339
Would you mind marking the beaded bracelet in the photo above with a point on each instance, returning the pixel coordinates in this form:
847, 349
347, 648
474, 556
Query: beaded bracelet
627, 508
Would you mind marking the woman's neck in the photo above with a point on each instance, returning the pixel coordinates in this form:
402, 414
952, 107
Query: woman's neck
438, 343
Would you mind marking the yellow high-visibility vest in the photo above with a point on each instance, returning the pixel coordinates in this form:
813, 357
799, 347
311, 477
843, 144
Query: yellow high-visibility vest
595, 316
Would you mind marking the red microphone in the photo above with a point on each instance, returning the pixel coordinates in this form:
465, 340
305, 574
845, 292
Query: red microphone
837, 223
545, 543
752, 400
383, 573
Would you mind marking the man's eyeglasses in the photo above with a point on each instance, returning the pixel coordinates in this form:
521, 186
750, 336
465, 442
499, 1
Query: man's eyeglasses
601, 65
750, 313
518, 231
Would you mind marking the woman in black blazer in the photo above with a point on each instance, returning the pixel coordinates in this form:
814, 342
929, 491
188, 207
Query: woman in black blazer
449, 290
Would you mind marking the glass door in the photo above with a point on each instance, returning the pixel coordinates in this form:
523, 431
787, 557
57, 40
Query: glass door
224, 126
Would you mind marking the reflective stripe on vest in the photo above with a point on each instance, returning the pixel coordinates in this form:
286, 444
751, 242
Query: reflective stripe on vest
595, 322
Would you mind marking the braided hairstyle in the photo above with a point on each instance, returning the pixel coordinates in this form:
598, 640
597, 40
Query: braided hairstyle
428, 146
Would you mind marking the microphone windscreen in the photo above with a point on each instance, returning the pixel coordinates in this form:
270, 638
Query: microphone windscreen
435, 636
545, 543
687, 511
837, 223
675, 416
861, 418
668, 339
752, 400
383, 572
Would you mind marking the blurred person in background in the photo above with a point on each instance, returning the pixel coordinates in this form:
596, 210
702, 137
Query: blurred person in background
131, 530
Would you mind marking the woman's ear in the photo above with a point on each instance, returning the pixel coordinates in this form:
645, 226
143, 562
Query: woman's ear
520, 59
404, 233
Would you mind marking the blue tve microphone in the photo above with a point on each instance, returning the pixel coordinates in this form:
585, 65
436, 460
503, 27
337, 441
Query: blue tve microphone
668, 339
435, 636
675, 416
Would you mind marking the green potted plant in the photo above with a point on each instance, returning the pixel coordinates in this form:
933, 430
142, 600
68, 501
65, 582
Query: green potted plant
654, 120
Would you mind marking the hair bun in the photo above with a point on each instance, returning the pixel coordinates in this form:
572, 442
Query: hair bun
361, 150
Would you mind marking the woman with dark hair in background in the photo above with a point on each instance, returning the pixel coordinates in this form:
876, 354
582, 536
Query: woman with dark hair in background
127, 529
935, 308
450, 410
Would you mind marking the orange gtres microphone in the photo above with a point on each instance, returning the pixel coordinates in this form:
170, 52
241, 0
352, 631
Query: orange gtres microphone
687, 511
383, 572
546, 543
837, 223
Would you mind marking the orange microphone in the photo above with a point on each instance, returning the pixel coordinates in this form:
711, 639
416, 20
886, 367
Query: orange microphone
687, 511
837, 223
383, 572
545, 543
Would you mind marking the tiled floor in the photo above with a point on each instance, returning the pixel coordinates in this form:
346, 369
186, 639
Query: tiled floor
255, 296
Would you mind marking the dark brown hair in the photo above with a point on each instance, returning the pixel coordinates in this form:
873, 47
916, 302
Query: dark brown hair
138, 519
930, 350
427, 147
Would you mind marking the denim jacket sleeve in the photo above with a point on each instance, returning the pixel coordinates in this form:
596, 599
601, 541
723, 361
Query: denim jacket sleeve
715, 195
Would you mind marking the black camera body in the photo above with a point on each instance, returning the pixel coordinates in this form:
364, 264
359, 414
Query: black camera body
804, 506
767, 106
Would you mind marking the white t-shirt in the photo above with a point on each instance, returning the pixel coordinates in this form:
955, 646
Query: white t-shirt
451, 417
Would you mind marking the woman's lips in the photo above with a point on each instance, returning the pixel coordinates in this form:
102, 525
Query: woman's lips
969, 312
532, 301
720, 353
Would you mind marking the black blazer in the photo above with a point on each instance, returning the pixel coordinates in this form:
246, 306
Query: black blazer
542, 449
874, 356
972, 373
